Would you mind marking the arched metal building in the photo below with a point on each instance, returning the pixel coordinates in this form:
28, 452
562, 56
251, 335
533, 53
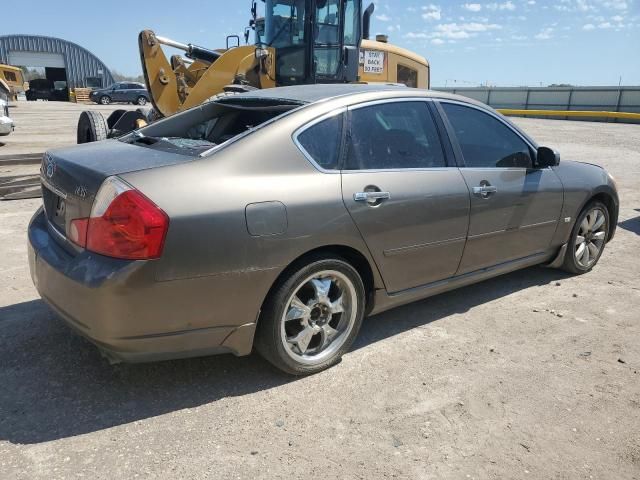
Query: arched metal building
61, 59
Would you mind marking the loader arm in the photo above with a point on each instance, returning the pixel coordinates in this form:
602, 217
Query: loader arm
176, 85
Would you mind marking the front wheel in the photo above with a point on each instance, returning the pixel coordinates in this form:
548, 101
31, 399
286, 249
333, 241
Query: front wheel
312, 317
105, 100
141, 100
588, 239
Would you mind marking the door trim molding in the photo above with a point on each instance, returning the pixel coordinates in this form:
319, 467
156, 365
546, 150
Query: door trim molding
412, 248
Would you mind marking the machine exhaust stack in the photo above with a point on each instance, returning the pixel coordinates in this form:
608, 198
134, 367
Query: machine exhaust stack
366, 21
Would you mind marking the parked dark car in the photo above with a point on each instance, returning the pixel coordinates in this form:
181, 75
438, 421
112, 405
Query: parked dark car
129, 92
45, 89
279, 218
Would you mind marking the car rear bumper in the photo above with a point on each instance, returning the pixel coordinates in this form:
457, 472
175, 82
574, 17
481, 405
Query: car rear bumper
120, 306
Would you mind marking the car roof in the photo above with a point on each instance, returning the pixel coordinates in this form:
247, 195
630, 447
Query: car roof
304, 94
314, 93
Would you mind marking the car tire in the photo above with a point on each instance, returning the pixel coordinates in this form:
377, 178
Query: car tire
312, 316
590, 233
92, 127
105, 100
142, 101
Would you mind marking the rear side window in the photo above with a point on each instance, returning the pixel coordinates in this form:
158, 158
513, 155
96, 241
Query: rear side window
485, 141
322, 141
392, 136
408, 76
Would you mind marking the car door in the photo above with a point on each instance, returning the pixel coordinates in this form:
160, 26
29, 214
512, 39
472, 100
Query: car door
515, 207
119, 92
410, 206
133, 92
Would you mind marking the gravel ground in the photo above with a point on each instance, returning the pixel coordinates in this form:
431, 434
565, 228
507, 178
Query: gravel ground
534, 374
43, 125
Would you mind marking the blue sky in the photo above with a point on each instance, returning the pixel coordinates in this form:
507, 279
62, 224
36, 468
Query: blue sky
468, 42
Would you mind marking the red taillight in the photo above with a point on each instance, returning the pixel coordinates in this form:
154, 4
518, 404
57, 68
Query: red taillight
78, 231
130, 226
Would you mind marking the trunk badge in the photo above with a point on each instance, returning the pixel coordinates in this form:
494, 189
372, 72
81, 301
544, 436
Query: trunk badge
50, 166
81, 191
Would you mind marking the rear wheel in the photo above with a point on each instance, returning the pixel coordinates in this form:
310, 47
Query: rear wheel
91, 127
311, 319
141, 100
588, 239
105, 100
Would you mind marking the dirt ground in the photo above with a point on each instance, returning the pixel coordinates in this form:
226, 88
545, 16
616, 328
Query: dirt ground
531, 375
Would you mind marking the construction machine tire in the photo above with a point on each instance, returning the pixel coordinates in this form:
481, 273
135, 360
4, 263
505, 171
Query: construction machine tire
151, 114
92, 127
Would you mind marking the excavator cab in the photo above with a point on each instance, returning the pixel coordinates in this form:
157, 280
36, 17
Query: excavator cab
316, 41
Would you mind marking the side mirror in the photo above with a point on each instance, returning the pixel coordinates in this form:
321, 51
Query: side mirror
547, 157
351, 63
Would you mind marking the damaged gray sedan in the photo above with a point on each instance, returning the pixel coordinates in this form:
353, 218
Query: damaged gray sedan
278, 219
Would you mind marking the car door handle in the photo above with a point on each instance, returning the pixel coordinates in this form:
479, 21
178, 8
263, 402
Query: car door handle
371, 197
485, 190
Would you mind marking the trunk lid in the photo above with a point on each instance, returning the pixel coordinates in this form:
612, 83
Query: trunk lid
72, 176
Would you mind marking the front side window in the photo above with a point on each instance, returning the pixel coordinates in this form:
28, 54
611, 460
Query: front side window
322, 141
485, 141
392, 136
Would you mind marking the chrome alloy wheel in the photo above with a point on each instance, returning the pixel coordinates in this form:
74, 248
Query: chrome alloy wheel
591, 236
319, 316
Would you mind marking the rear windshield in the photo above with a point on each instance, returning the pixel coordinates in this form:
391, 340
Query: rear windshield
205, 127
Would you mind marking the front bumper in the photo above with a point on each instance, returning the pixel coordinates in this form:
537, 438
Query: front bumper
121, 307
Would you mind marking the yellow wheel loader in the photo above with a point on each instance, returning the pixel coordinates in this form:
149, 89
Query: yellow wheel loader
296, 42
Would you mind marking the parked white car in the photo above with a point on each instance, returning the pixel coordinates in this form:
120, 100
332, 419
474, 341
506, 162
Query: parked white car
6, 124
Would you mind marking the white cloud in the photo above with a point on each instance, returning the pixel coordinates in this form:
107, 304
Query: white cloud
454, 31
531, 2
545, 34
432, 12
583, 6
518, 37
616, 4
508, 5
415, 35
588, 26
472, 7
383, 18
463, 30
617, 18
605, 25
